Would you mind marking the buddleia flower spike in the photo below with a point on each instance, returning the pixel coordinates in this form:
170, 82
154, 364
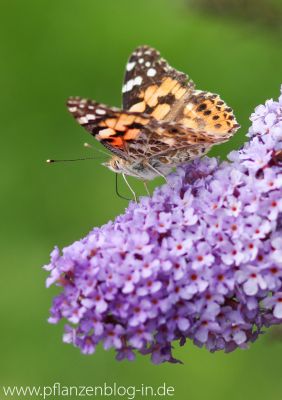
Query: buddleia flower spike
201, 260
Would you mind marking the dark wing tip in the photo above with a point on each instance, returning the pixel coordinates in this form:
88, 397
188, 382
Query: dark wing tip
144, 47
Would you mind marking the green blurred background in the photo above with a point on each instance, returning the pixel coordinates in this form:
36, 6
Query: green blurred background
51, 50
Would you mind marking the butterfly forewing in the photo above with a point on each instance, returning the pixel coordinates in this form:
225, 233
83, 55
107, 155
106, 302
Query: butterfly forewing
116, 129
151, 85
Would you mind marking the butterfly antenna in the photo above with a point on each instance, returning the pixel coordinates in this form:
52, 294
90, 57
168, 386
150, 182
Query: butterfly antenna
146, 188
89, 146
50, 161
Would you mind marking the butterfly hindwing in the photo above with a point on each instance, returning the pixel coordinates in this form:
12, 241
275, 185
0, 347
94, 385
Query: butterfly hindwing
207, 112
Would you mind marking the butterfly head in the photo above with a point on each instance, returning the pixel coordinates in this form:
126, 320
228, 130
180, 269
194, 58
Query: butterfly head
115, 164
121, 166
142, 169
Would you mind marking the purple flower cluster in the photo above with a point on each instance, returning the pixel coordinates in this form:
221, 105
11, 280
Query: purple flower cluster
201, 259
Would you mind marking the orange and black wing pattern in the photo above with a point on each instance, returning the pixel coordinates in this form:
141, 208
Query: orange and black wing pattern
151, 85
116, 129
162, 111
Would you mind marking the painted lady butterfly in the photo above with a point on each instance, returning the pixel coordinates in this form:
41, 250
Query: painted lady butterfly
165, 121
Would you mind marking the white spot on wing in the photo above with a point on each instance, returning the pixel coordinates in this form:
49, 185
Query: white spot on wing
82, 120
99, 111
147, 64
129, 85
151, 72
138, 80
189, 107
90, 116
72, 109
106, 133
130, 65
141, 60
132, 82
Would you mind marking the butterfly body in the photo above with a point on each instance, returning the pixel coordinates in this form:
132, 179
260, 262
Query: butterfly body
145, 170
165, 121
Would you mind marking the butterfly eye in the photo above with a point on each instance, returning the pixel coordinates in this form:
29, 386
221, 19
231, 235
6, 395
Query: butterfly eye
113, 164
119, 165
116, 165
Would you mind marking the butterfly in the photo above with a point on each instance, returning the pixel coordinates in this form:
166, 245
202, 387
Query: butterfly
165, 121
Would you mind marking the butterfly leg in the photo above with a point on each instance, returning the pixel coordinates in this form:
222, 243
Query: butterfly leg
157, 172
146, 188
130, 188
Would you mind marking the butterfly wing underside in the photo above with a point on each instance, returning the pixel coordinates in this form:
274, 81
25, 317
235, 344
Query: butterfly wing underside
162, 112
152, 86
132, 135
